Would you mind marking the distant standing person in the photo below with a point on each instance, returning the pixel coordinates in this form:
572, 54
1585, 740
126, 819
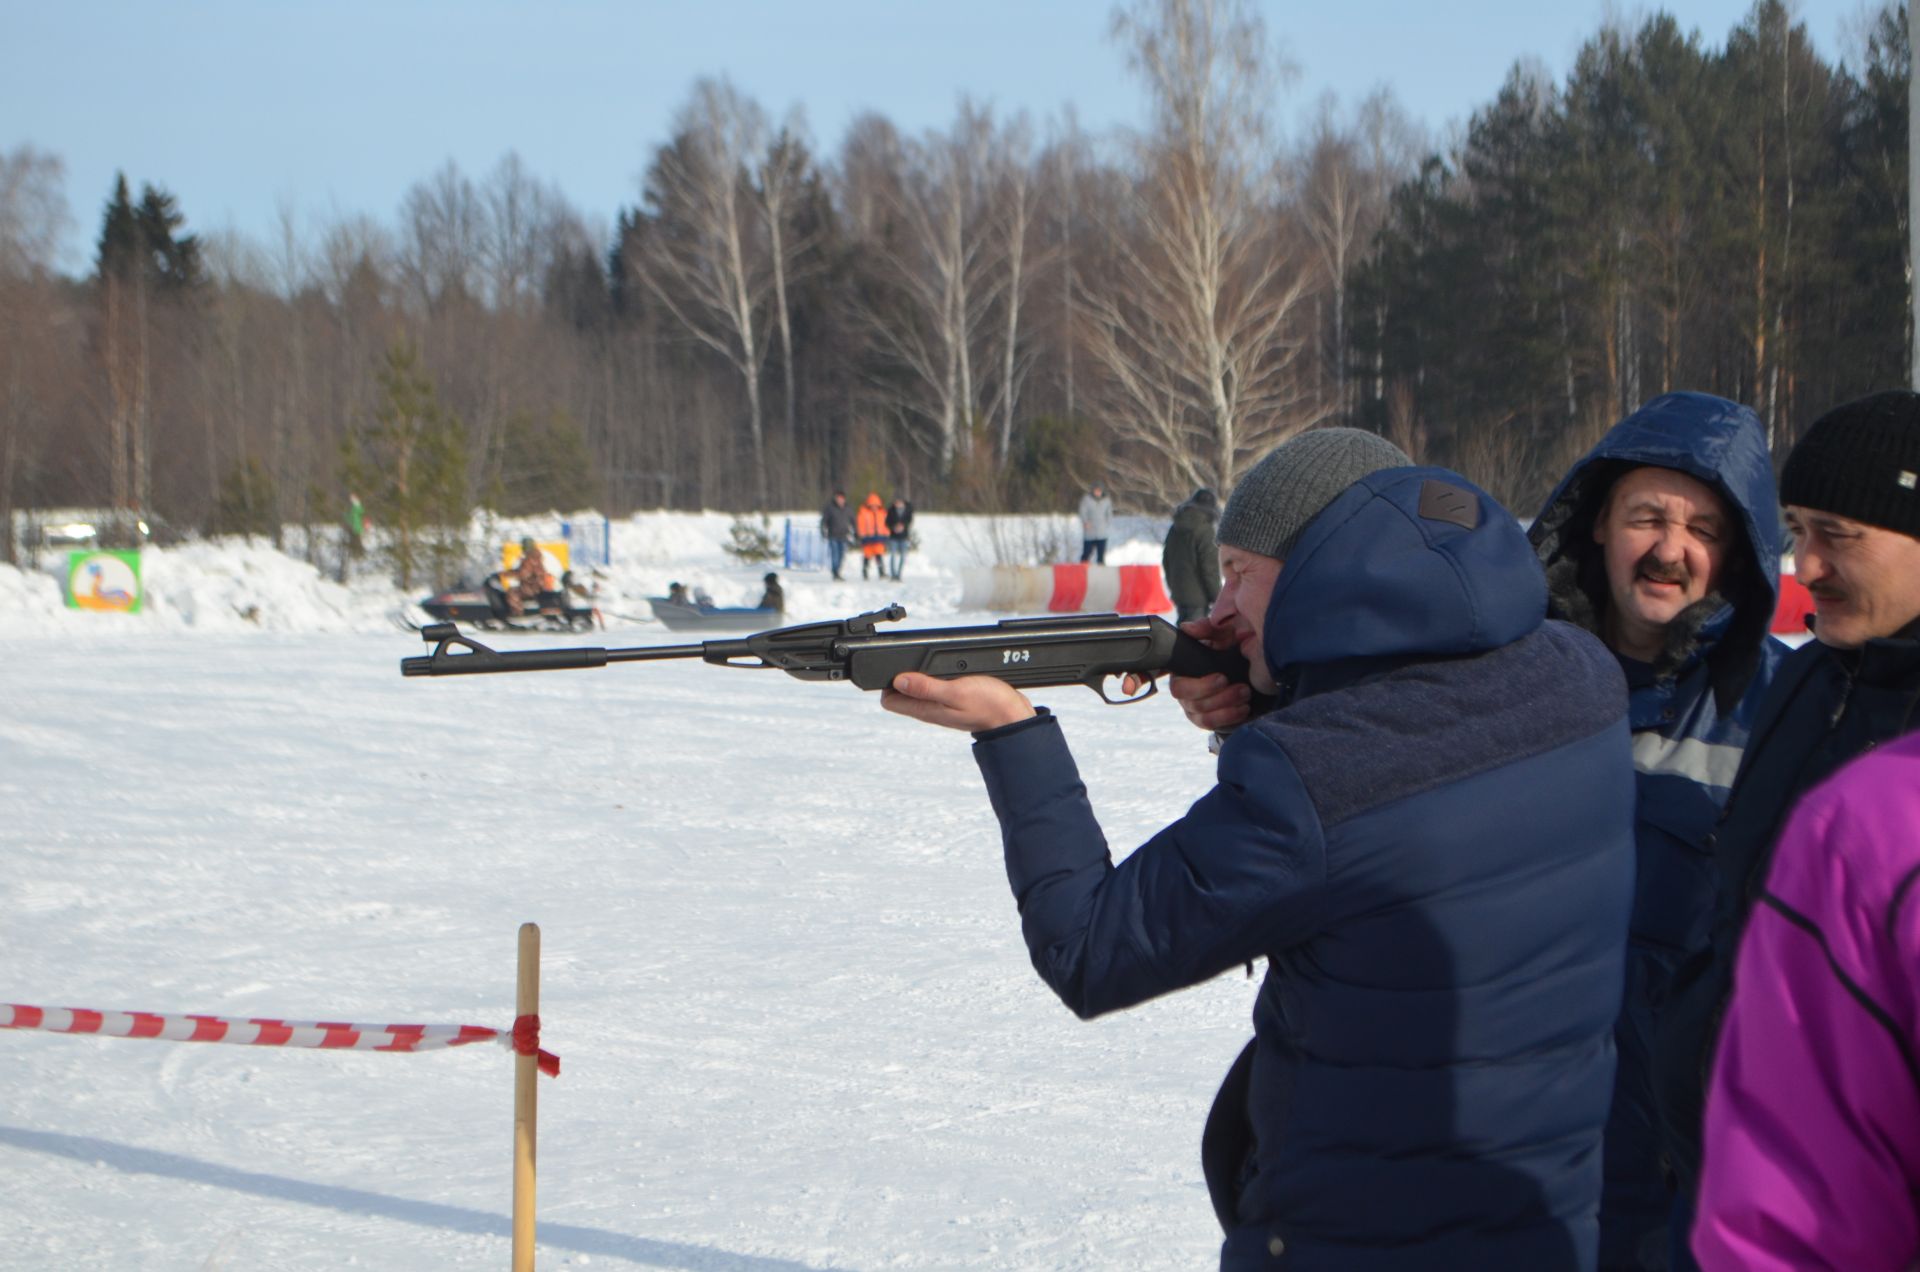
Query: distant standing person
774, 597
836, 527
356, 526
1190, 558
899, 533
873, 536
1096, 522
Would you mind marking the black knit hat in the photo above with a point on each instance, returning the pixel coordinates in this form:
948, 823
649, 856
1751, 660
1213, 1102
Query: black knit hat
1861, 460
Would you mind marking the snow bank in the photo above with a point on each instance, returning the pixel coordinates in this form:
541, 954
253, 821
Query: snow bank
240, 585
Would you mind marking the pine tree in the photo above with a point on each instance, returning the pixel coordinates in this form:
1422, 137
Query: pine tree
118, 250
246, 501
172, 259
409, 462
547, 466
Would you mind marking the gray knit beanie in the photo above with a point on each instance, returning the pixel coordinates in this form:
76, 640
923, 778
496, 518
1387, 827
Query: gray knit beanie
1283, 492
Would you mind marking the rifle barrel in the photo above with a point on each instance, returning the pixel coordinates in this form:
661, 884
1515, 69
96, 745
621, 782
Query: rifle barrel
653, 653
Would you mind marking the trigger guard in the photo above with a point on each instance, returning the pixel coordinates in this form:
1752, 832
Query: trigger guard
1100, 687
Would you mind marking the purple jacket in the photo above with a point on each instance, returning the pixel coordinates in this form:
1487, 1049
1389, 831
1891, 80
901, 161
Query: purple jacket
1813, 1120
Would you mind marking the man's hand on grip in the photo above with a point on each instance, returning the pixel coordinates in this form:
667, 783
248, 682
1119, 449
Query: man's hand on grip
1213, 703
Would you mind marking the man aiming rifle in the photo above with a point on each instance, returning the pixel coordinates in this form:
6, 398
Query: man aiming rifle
1429, 838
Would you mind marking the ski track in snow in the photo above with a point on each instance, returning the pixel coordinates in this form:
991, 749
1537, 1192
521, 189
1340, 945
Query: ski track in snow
781, 964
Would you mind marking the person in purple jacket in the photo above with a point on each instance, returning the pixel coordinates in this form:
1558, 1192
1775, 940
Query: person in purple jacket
1813, 1119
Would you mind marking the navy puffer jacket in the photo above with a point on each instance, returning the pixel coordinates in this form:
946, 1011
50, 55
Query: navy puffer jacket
1430, 841
1691, 712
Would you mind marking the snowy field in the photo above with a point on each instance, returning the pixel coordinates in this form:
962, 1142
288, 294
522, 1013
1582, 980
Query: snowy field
782, 967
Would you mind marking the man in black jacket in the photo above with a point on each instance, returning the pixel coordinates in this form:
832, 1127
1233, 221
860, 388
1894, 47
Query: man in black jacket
1851, 489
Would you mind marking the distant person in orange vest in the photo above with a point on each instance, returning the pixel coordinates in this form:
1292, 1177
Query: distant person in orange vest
872, 528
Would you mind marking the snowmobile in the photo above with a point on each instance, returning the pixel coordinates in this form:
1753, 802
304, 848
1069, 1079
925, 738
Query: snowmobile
486, 607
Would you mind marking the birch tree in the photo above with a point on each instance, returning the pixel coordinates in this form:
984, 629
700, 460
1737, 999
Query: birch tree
33, 214
928, 318
1198, 329
440, 240
702, 261
1017, 212
783, 173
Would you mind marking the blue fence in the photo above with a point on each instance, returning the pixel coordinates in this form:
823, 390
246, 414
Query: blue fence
589, 540
806, 549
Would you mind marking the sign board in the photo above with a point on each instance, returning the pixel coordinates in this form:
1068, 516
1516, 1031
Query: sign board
104, 579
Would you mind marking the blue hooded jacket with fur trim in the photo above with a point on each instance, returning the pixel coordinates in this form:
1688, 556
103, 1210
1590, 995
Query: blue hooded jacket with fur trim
1691, 712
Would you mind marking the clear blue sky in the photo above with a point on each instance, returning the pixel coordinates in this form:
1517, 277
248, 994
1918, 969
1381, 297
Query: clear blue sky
337, 106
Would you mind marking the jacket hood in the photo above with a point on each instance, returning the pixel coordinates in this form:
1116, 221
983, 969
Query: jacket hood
1193, 514
1714, 441
1406, 561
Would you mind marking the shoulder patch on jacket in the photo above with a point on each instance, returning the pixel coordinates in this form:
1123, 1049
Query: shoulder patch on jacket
1444, 501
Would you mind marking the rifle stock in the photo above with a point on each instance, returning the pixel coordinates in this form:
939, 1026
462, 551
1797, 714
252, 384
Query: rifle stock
1028, 653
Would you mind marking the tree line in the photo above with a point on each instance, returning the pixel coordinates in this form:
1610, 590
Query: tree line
991, 314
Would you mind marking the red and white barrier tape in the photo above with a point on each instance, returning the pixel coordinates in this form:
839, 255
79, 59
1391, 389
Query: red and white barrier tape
523, 1038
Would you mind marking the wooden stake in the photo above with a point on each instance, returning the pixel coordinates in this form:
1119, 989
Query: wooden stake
525, 1072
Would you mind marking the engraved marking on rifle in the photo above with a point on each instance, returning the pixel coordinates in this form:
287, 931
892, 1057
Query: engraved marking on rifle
1015, 656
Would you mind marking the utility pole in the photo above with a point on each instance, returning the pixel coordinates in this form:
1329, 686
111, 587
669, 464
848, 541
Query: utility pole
1913, 194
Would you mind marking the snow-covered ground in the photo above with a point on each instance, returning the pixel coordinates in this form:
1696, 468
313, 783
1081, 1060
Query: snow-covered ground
782, 968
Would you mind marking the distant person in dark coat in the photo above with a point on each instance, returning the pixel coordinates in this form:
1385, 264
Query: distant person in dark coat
774, 597
1429, 839
1189, 557
899, 535
836, 527
1664, 542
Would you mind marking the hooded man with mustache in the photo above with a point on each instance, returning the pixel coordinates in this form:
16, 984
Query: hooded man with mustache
1664, 542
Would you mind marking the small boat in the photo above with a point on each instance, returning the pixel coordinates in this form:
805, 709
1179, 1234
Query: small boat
683, 616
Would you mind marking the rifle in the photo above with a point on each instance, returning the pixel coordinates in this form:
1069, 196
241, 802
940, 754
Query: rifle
1028, 653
